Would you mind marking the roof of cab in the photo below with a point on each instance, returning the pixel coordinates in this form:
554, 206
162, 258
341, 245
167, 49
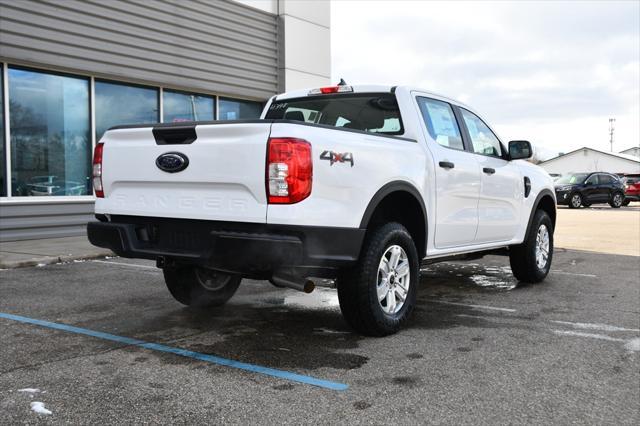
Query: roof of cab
368, 88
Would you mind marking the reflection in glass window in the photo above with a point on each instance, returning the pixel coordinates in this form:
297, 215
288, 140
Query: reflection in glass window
441, 122
3, 171
234, 109
118, 104
180, 106
50, 134
482, 138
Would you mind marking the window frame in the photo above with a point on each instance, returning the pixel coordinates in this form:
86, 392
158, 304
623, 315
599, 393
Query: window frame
465, 140
504, 154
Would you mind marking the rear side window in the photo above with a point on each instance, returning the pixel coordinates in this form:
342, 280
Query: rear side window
604, 179
441, 122
372, 112
482, 138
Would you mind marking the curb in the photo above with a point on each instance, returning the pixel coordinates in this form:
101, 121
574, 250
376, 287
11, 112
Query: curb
51, 260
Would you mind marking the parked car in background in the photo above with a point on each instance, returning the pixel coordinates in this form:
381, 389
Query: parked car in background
585, 189
631, 188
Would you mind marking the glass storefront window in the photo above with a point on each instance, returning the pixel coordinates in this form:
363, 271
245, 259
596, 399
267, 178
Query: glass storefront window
3, 164
181, 106
50, 134
118, 103
234, 109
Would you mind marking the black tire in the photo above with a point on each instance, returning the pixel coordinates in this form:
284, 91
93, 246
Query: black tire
617, 200
358, 286
200, 287
625, 203
523, 256
575, 201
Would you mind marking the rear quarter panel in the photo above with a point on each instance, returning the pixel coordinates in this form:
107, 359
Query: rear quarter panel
341, 192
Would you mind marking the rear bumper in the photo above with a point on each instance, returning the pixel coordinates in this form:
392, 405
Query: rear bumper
252, 250
632, 197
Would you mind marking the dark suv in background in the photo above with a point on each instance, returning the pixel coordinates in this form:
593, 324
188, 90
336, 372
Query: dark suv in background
585, 189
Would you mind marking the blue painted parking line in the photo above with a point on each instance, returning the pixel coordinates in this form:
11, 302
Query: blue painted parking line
182, 352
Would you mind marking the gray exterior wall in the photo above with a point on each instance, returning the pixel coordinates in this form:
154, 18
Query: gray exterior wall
28, 220
220, 47
217, 46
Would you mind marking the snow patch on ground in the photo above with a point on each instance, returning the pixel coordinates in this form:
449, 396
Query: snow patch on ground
633, 345
39, 408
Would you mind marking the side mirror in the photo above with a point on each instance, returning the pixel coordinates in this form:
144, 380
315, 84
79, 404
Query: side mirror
519, 150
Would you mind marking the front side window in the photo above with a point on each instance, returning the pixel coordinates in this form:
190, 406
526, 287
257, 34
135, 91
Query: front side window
372, 112
593, 180
482, 138
235, 109
118, 104
50, 134
180, 106
441, 122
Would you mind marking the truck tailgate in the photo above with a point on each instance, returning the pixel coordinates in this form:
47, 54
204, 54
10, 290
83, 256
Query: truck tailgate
224, 179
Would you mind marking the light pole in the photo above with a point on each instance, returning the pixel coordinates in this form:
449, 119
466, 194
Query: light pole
612, 128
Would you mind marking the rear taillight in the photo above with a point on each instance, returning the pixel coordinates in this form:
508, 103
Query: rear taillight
97, 170
289, 170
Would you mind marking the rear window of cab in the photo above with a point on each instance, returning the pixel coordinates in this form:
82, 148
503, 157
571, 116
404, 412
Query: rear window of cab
371, 112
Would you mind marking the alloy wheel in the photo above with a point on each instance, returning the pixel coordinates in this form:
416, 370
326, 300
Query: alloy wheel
394, 278
542, 246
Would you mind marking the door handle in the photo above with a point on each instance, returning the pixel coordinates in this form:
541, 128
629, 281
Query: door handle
446, 165
488, 170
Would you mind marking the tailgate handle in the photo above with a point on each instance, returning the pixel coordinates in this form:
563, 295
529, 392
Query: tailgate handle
175, 135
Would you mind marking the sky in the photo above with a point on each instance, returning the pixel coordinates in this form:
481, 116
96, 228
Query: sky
552, 73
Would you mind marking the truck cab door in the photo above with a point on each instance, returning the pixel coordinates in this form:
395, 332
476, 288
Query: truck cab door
502, 184
457, 177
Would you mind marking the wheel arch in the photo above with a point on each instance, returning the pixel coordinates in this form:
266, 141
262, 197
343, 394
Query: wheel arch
544, 201
415, 220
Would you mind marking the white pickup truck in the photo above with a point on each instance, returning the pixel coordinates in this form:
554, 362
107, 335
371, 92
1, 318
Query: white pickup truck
359, 184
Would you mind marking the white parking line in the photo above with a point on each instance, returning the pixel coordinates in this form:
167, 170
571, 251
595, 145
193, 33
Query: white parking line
591, 326
591, 335
484, 307
574, 273
127, 264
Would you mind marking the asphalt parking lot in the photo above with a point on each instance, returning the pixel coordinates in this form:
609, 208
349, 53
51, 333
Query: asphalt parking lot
112, 346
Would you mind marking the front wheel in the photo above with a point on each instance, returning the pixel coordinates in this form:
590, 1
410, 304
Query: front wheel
378, 295
617, 200
531, 260
200, 287
575, 201
626, 202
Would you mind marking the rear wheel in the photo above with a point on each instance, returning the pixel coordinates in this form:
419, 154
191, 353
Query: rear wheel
378, 295
575, 201
201, 287
531, 260
617, 200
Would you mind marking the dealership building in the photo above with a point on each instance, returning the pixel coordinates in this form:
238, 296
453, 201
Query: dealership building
72, 69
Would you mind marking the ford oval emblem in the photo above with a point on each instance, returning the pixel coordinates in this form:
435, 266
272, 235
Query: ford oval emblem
172, 162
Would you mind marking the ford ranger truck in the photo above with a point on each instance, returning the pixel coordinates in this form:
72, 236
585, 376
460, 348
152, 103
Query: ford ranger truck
360, 184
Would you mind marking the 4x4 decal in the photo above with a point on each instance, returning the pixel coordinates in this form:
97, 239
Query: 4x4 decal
337, 157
